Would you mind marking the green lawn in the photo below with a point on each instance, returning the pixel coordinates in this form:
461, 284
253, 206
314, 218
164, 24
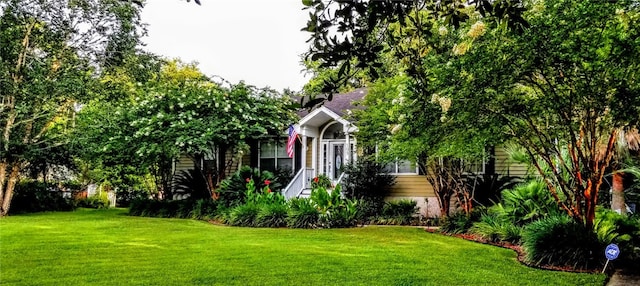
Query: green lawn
107, 247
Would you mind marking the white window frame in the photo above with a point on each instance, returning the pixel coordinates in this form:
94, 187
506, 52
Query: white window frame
275, 152
396, 166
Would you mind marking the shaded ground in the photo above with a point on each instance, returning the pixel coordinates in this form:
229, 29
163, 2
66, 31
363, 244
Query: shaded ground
621, 278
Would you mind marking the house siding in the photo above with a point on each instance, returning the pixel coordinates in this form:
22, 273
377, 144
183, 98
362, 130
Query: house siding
309, 154
417, 188
183, 163
504, 166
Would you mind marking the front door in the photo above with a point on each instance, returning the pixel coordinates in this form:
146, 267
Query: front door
336, 160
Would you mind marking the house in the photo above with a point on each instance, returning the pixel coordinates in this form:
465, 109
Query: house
327, 142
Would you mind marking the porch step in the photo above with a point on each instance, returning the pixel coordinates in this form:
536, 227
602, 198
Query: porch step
305, 193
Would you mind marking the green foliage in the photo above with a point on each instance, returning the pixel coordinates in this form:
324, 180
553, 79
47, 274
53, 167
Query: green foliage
204, 209
321, 181
398, 212
335, 211
459, 222
487, 188
527, 202
47, 66
34, 196
244, 215
611, 227
367, 179
99, 200
495, 228
561, 241
191, 183
302, 214
233, 190
124, 197
272, 215
166, 209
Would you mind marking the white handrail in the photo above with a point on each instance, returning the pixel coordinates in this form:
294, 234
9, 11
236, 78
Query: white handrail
294, 186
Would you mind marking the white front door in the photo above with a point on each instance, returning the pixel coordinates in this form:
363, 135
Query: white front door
334, 159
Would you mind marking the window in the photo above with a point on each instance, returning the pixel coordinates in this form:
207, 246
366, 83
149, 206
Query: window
273, 155
402, 167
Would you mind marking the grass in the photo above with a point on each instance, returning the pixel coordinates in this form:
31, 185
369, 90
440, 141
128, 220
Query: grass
106, 247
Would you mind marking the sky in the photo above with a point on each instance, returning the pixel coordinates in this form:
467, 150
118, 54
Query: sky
258, 41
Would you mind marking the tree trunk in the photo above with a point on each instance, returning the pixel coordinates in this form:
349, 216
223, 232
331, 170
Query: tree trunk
7, 191
617, 193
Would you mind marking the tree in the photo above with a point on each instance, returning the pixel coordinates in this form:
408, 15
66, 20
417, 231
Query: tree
349, 35
557, 89
49, 53
552, 87
180, 111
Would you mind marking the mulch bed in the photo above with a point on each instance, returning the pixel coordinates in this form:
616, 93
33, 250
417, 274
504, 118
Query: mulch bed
517, 248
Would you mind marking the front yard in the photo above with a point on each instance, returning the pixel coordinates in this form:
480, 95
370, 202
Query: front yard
107, 247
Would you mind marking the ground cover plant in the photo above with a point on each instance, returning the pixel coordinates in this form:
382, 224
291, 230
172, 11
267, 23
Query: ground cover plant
108, 247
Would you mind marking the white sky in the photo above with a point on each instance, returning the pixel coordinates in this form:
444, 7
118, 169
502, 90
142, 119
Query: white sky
258, 41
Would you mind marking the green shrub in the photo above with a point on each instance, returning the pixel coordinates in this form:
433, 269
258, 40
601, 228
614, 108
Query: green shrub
495, 228
367, 179
369, 209
343, 215
459, 222
99, 200
404, 209
244, 215
124, 197
321, 181
33, 196
561, 241
204, 209
233, 190
193, 183
335, 211
611, 227
302, 214
272, 215
528, 202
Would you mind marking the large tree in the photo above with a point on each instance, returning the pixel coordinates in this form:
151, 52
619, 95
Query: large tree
180, 111
50, 52
563, 88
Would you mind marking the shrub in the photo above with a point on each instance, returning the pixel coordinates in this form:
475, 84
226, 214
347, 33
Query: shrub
192, 183
97, 201
335, 211
459, 222
155, 208
367, 179
400, 212
33, 196
302, 214
488, 187
369, 209
233, 190
244, 215
611, 227
204, 209
321, 181
124, 197
272, 215
561, 241
343, 215
528, 202
495, 228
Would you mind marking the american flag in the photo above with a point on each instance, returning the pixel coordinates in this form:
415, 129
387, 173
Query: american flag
291, 143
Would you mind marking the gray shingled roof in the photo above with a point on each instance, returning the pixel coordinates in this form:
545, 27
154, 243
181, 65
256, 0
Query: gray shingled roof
342, 102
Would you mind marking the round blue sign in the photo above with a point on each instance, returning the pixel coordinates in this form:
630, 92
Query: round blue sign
612, 251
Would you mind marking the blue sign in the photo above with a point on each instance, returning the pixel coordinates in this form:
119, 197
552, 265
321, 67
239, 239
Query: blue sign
612, 251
